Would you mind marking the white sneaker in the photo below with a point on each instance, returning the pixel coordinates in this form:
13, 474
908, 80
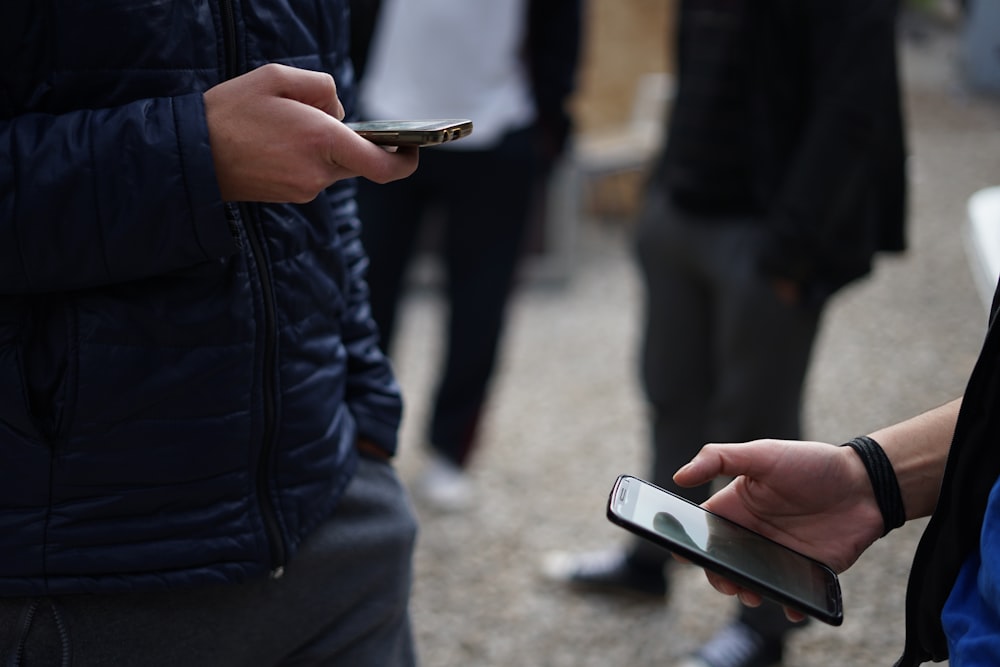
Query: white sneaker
444, 486
605, 571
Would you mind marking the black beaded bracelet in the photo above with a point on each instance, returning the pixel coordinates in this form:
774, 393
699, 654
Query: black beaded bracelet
884, 482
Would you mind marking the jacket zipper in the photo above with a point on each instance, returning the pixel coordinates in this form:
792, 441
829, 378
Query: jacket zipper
275, 541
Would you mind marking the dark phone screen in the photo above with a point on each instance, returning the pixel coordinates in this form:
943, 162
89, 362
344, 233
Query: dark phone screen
683, 524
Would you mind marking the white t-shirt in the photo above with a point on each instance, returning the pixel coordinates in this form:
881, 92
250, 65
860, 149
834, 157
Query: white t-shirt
451, 59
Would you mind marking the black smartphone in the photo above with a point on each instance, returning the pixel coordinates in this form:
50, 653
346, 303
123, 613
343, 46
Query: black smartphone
412, 132
727, 548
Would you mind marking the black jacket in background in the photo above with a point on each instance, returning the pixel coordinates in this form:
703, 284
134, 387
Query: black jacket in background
825, 131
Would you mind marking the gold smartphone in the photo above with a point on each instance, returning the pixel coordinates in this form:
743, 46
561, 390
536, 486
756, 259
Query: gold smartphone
413, 132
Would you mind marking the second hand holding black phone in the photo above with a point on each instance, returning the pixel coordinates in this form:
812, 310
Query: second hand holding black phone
726, 548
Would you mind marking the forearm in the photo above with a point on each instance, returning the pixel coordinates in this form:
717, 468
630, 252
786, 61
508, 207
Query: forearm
918, 449
98, 197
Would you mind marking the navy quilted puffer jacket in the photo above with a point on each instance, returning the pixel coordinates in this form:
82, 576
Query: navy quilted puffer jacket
182, 381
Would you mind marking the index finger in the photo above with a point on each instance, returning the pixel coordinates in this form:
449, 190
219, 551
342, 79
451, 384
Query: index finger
730, 460
317, 89
708, 463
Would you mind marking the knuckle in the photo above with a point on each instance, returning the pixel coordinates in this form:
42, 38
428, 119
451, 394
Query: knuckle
271, 70
305, 188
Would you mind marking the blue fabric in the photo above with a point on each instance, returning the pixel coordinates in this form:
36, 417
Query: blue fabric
971, 616
182, 380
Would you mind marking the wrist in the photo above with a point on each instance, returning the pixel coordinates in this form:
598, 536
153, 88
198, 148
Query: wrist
918, 449
882, 477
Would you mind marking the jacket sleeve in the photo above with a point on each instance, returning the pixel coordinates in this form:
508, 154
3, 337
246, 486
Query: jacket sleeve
102, 196
373, 395
822, 216
553, 50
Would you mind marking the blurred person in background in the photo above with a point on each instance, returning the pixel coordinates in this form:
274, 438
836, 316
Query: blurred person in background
782, 176
509, 66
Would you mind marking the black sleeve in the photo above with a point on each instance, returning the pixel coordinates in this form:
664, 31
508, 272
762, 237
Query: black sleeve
553, 52
364, 14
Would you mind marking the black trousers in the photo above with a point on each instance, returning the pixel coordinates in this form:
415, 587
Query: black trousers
482, 198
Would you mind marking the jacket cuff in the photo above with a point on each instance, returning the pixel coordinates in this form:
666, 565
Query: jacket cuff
210, 226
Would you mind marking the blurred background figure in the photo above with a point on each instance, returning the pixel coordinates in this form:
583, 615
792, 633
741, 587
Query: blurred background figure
782, 176
509, 66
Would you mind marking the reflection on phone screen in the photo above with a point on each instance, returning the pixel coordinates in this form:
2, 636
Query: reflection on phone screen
741, 550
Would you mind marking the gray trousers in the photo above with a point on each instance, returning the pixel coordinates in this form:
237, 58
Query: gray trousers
342, 601
722, 358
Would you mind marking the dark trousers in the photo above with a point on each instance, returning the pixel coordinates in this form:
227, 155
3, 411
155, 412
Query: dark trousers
342, 601
723, 359
483, 199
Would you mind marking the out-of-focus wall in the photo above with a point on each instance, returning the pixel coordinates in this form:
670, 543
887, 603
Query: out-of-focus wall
623, 39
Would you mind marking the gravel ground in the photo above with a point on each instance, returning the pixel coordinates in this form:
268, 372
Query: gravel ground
567, 417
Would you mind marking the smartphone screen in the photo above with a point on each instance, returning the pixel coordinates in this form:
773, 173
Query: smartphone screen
412, 132
727, 548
